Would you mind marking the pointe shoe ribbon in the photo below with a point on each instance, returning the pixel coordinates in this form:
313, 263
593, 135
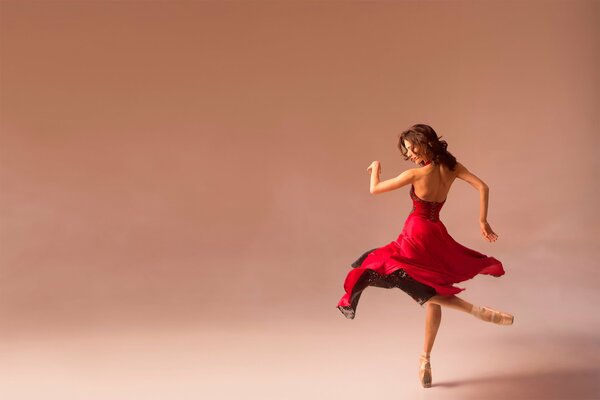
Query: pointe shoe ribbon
491, 315
425, 371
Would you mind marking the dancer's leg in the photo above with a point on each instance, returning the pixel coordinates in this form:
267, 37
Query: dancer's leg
483, 313
452, 301
433, 317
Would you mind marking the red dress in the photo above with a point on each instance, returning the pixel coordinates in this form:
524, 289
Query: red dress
424, 260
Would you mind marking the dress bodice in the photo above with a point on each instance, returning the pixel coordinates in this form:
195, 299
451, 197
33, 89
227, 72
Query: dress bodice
424, 208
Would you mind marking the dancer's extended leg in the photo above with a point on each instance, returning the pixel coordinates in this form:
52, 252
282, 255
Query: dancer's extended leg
452, 301
484, 313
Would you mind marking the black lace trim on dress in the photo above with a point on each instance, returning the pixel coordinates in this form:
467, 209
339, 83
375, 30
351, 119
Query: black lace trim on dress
420, 292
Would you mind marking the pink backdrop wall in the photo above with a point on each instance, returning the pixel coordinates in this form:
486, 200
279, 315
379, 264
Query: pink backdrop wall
183, 187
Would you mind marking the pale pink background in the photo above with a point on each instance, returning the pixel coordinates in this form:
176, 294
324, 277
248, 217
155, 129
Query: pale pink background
184, 186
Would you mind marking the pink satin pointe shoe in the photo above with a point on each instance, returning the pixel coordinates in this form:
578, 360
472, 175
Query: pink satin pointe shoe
490, 315
425, 371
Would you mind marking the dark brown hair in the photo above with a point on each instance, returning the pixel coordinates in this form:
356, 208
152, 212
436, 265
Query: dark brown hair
427, 139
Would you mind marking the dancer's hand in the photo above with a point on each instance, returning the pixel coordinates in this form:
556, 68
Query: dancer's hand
487, 232
374, 165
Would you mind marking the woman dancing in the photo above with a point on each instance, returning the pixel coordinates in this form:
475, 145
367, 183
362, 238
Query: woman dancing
424, 260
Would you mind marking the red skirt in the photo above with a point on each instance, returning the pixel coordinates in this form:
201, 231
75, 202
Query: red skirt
423, 261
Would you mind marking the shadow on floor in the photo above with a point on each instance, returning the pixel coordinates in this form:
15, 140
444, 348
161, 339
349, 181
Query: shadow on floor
559, 384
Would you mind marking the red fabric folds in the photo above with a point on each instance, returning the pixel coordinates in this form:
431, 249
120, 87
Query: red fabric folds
425, 250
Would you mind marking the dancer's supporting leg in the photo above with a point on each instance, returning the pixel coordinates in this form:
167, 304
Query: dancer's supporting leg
433, 317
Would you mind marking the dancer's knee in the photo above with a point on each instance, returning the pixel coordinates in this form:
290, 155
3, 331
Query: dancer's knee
436, 300
441, 300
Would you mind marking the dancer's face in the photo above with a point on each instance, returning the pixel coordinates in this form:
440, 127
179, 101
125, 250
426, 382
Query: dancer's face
414, 152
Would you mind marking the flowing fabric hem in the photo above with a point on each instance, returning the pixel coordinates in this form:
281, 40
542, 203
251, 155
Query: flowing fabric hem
386, 267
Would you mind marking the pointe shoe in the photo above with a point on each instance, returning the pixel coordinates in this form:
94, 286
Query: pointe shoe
490, 315
425, 371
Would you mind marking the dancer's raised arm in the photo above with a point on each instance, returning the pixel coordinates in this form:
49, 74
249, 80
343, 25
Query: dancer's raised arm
376, 186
